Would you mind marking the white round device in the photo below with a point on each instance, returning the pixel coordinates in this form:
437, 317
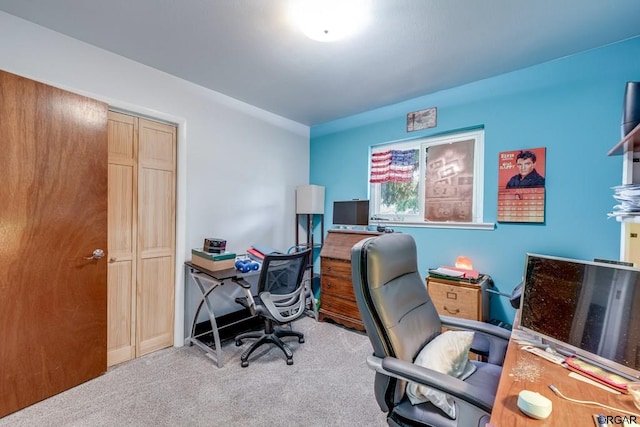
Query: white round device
534, 404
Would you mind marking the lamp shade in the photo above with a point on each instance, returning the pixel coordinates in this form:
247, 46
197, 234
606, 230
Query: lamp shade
310, 199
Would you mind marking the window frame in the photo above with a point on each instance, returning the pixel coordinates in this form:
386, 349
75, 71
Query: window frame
422, 144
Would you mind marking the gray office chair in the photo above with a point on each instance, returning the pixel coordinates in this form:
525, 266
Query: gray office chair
400, 319
281, 300
307, 278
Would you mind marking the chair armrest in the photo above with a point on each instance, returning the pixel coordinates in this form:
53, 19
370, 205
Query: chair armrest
497, 338
247, 301
474, 325
470, 394
241, 282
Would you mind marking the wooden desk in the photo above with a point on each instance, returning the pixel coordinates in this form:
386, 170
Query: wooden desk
525, 371
337, 300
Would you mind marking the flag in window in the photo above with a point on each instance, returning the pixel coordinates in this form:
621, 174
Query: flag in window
392, 166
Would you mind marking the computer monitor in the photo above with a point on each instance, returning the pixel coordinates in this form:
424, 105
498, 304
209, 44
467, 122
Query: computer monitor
591, 309
351, 212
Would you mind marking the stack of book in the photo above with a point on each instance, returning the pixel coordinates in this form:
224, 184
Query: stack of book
455, 273
258, 252
213, 262
628, 198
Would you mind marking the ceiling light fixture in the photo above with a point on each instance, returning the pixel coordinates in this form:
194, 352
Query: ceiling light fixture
330, 20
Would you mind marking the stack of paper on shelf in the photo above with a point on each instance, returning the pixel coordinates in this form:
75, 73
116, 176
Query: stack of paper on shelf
628, 197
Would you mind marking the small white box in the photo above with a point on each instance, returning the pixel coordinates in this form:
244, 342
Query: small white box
310, 199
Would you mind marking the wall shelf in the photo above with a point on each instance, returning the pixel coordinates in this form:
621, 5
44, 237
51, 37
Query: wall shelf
629, 148
635, 219
631, 142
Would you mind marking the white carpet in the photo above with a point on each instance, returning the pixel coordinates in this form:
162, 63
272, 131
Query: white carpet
329, 384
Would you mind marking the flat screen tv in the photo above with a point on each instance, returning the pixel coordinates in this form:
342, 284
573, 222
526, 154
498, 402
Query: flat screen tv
351, 212
588, 308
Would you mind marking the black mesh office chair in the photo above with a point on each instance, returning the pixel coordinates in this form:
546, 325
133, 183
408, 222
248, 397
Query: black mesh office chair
281, 300
400, 320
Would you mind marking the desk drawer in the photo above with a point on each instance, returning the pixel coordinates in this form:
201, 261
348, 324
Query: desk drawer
338, 286
455, 301
335, 304
334, 267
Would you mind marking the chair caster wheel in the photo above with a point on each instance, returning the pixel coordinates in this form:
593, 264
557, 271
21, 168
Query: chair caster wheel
244, 364
301, 340
238, 343
289, 361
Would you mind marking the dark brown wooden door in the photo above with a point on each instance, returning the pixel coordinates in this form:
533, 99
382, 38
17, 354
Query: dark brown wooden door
53, 214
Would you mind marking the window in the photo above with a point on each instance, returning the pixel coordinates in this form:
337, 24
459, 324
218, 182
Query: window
435, 181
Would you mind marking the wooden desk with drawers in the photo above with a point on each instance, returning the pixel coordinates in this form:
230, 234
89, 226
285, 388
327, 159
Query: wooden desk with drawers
337, 300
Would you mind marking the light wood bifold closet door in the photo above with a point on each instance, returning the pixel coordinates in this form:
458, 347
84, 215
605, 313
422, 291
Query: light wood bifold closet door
142, 161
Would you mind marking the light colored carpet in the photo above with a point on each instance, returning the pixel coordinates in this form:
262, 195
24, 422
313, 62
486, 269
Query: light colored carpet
329, 384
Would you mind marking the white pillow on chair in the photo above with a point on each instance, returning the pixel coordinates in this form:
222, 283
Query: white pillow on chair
447, 353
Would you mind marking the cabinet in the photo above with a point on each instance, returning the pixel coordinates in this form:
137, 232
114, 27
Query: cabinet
141, 237
460, 298
629, 148
337, 299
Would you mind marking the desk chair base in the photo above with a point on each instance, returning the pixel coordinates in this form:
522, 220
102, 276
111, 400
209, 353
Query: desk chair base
270, 335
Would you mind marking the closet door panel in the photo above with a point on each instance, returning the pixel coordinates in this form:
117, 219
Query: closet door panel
121, 341
155, 305
122, 138
156, 218
157, 145
121, 211
121, 271
156, 236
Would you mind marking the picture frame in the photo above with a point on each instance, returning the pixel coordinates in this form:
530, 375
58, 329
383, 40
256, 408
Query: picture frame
423, 119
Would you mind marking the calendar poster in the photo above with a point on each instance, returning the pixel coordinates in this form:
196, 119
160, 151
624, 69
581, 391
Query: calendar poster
521, 185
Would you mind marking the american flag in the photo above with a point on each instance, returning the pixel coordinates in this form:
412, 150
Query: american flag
392, 166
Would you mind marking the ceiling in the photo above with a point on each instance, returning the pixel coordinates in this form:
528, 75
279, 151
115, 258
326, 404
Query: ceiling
249, 49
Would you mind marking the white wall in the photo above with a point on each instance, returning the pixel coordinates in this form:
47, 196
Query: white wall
238, 166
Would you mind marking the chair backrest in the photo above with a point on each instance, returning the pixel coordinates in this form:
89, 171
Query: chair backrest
280, 284
282, 273
394, 304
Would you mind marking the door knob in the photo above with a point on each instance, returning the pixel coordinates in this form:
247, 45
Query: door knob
97, 254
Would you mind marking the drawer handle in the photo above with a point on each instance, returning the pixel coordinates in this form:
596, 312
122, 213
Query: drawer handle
329, 268
328, 285
456, 311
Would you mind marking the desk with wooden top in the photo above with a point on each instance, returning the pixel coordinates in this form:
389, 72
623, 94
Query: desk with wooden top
525, 371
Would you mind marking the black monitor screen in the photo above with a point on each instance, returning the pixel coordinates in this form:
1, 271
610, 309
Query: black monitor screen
351, 212
590, 308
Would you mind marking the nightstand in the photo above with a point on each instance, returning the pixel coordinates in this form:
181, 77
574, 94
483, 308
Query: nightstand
460, 297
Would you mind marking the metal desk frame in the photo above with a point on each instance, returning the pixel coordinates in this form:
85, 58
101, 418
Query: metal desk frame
207, 281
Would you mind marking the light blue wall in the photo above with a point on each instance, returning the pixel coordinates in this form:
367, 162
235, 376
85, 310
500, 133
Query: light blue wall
572, 106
